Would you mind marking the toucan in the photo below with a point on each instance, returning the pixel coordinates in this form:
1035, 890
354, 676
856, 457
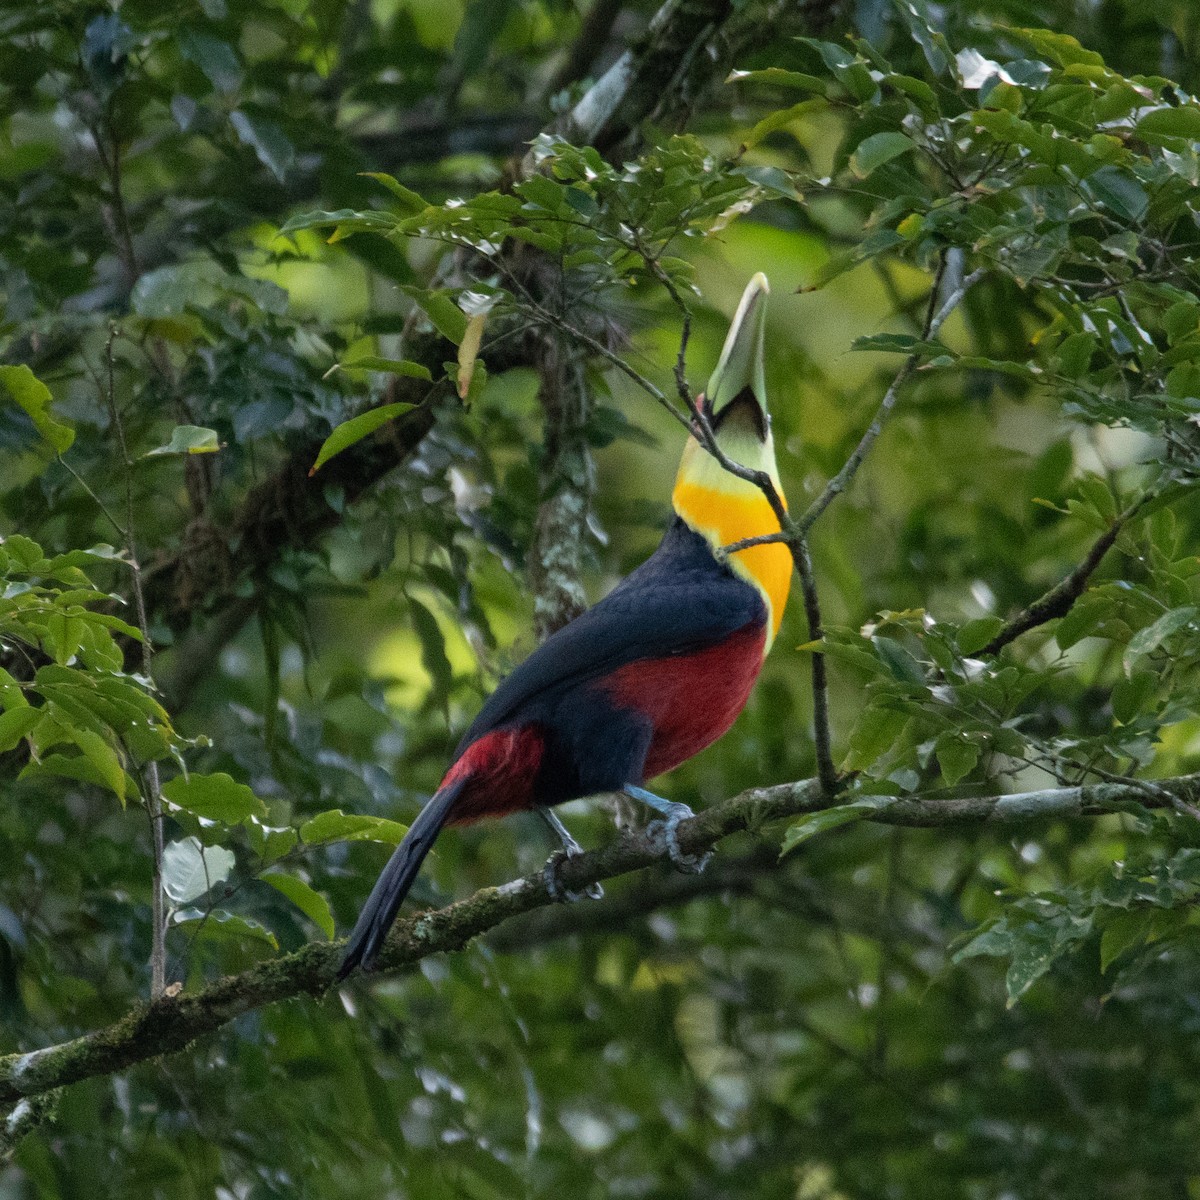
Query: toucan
652, 674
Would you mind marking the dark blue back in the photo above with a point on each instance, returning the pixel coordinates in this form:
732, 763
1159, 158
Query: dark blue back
679, 601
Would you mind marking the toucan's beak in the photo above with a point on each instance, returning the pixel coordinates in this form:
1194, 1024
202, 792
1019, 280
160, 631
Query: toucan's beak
737, 390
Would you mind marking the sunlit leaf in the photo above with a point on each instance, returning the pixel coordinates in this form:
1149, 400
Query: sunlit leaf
190, 869
337, 826
310, 902
812, 824
34, 397
216, 797
354, 430
188, 439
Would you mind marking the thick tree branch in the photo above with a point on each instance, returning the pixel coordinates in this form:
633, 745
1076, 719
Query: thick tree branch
567, 481
651, 78
737, 875
593, 36
173, 1022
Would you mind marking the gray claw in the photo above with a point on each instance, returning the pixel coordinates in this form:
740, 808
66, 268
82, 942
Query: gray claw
667, 831
554, 885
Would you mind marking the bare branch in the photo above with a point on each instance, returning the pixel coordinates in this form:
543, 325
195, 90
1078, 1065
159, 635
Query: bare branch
154, 804
822, 740
1058, 601
935, 318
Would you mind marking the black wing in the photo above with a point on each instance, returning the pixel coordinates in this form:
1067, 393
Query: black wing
678, 601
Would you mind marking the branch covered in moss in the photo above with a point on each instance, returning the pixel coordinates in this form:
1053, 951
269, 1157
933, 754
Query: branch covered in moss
567, 482
173, 1022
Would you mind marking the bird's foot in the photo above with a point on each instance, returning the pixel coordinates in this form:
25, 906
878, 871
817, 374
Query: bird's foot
559, 892
570, 849
665, 832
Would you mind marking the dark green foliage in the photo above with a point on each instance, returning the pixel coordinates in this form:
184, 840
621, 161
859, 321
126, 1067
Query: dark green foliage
282, 285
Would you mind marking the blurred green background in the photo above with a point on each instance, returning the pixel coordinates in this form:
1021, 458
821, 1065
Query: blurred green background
786, 1030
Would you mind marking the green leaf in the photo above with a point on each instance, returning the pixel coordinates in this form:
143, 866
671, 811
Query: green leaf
898, 661
213, 56
879, 148
1074, 354
874, 733
898, 343
433, 648
853, 74
439, 306
1083, 620
104, 758
63, 635
1034, 946
1147, 640
974, 635
1031, 960
190, 869
956, 756
266, 139
342, 216
220, 925
24, 553
1119, 191
811, 824
310, 902
393, 366
354, 430
914, 14
410, 202
216, 797
1181, 122
337, 826
778, 77
270, 842
1058, 47
16, 723
73, 766
779, 120
188, 439
34, 397
12, 695
1124, 931
1131, 694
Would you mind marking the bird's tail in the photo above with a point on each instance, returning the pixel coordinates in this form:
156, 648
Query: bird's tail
393, 884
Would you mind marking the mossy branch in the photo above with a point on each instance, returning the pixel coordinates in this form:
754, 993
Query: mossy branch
172, 1022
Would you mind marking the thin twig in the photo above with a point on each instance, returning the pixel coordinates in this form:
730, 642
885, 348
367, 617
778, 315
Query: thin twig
685, 334
935, 318
763, 539
822, 741
1058, 601
154, 809
121, 228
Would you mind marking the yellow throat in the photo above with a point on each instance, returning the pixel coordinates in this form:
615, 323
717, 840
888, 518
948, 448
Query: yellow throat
720, 506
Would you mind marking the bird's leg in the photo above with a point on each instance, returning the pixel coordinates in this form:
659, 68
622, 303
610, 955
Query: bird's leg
570, 849
672, 814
